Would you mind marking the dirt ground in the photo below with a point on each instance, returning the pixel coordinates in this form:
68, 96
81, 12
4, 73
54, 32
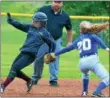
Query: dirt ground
66, 88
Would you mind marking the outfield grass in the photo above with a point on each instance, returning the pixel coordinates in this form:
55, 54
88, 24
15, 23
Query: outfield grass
13, 39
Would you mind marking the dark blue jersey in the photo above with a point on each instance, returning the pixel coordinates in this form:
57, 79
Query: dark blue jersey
87, 44
35, 37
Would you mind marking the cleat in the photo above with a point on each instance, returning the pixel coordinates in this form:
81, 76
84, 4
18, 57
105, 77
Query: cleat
30, 84
53, 83
84, 94
2, 88
95, 94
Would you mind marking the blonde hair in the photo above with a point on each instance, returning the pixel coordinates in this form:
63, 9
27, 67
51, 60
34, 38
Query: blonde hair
86, 26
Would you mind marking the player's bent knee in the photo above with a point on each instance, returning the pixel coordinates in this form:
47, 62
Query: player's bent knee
12, 74
106, 81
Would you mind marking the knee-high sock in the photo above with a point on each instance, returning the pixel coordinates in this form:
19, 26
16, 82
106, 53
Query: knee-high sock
23, 76
7, 81
100, 87
85, 85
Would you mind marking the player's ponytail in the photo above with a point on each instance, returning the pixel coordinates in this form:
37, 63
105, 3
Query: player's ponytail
96, 28
86, 26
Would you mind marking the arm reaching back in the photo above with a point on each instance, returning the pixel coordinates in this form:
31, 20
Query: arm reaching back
22, 27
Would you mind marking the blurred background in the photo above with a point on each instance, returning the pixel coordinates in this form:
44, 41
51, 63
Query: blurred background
73, 8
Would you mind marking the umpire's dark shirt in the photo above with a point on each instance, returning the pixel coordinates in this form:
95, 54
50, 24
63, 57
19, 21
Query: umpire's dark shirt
56, 22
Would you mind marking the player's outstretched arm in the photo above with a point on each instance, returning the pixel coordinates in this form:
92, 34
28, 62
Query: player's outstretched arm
52, 56
64, 50
16, 24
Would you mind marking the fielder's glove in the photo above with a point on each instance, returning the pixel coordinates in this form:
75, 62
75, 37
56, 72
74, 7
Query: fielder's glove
8, 17
49, 58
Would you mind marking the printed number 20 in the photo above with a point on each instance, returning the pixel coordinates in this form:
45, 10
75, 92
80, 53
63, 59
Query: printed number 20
84, 45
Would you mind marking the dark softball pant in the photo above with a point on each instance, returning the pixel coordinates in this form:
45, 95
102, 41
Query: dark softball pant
22, 60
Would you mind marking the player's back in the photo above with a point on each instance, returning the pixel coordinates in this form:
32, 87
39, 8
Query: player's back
86, 44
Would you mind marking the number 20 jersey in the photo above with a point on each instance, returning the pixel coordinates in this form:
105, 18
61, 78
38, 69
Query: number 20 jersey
87, 44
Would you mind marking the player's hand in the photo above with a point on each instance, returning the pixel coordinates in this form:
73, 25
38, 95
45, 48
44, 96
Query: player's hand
107, 49
8, 17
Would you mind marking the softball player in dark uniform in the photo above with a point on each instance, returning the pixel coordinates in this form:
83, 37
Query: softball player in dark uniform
36, 36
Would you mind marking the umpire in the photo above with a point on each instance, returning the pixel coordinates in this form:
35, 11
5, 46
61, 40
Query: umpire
57, 20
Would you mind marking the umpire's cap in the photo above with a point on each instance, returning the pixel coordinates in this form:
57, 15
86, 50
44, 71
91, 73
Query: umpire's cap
39, 16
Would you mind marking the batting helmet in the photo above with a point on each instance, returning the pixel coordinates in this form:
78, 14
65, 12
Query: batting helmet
39, 16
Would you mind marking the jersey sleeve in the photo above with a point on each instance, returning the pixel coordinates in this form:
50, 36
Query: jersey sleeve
18, 25
49, 40
99, 41
68, 24
67, 49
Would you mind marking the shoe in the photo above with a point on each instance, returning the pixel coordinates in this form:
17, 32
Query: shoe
95, 94
84, 94
53, 83
30, 84
35, 82
2, 88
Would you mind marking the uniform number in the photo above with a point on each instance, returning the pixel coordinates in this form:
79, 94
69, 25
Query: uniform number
84, 45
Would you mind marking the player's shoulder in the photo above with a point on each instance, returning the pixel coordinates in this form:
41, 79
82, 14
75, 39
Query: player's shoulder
84, 36
95, 37
88, 34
